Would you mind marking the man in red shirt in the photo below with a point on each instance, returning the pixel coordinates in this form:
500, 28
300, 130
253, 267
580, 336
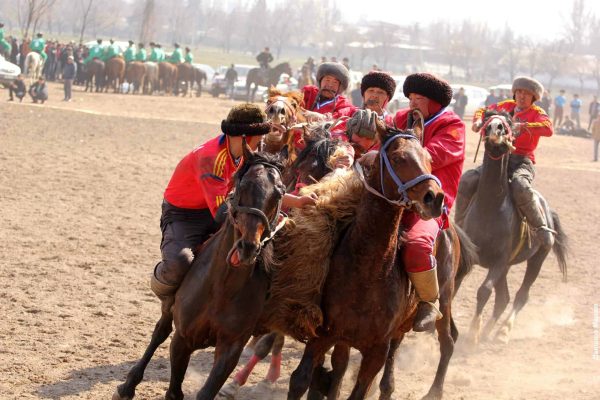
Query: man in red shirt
192, 206
444, 139
333, 78
530, 123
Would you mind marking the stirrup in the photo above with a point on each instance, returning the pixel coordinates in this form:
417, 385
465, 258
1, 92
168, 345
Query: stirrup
545, 228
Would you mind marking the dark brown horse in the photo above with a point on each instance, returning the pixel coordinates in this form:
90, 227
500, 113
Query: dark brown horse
221, 297
115, 74
95, 75
134, 75
167, 76
257, 77
200, 78
186, 76
493, 223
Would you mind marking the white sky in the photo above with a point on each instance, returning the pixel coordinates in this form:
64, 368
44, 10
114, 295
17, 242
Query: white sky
540, 19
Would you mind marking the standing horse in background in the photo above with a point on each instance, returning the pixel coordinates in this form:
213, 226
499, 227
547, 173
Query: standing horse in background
134, 75
33, 66
256, 77
200, 78
94, 75
115, 74
151, 82
167, 77
222, 295
185, 77
494, 224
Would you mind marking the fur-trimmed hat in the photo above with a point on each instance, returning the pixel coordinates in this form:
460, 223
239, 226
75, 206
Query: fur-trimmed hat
337, 70
246, 119
529, 84
429, 86
379, 80
39, 34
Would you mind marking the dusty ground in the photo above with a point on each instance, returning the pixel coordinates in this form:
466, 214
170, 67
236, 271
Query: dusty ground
80, 189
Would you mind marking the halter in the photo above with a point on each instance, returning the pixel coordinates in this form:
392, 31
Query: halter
271, 227
384, 163
281, 99
506, 126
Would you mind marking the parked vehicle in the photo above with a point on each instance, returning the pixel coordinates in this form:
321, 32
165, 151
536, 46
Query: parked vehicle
476, 98
8, 72
219, 85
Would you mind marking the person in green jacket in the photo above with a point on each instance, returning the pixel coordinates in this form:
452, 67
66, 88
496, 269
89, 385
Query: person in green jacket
189, 57
129, 54
95, 52
5, 47
113, 50
177, 56
38, 44
154, 53
141, 53
161, 53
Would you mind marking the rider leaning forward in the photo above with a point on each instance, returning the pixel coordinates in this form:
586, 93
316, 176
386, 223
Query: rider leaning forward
193, 205
530, 122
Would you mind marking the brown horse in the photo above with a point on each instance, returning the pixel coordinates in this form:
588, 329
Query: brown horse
95, 75
256, 77
115, 73
167, 76
284, 110
186, 76
200, 78
151, 81
134, 75
222, 295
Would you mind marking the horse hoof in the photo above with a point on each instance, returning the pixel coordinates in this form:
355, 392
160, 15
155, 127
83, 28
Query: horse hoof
502, 336
433, 395
229, 391
117, 396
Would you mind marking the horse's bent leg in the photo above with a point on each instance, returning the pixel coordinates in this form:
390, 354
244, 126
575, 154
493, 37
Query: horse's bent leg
302, 375
534, 265
372, 361
483, 294
387, 385
180, 353
502, 299
162, 330
339, 364
275, 367
227, 355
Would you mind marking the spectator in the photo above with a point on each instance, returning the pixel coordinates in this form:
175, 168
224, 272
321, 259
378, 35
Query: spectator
69, 73
356, 96
346, 63
14, 51
596, 136
491, 99
575, 110
18, 88
559, 108
460, 102
231, 77
39, 91
544, 102
323, 59
594, 109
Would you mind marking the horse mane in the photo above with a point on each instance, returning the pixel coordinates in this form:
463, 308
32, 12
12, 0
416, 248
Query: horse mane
258, 158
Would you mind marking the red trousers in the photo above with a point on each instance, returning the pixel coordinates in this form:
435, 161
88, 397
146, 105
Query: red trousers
420, 235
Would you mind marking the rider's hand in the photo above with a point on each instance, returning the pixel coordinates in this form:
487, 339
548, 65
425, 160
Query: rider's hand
476, 126
363, 123
292, 201
518, 128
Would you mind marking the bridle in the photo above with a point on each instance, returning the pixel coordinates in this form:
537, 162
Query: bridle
509, 135
385, 164
271, 227
282, 99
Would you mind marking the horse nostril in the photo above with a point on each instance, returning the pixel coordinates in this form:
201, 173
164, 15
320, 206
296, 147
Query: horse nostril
429, 197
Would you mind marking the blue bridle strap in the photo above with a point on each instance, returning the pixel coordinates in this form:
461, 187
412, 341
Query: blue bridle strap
402, 187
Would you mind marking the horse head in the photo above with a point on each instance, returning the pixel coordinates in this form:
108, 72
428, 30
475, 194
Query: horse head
255, 205
496, 132
405, 171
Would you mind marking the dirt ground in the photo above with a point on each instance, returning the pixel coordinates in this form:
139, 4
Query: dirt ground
80, 191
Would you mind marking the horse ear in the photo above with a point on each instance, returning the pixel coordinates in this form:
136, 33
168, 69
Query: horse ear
247, 151
381, 129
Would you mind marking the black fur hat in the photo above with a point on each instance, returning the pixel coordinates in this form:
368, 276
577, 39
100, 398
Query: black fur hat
337, 70
429, 86
131, 42
246, 119
379, 80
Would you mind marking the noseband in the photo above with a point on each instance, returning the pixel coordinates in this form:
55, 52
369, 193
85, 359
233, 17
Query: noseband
509, 135
385, 164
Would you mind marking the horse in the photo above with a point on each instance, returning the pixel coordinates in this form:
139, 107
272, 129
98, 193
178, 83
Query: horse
95, 75
186, 75
200, 78
256, 77
151, 82
167, 76
503, 239
284, 111
220, 298
134, 75
115, 72
33, 66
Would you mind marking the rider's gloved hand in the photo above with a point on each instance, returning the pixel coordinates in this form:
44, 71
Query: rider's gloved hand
363, 123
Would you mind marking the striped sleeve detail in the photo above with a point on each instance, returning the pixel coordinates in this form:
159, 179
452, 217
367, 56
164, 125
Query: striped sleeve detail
220, 162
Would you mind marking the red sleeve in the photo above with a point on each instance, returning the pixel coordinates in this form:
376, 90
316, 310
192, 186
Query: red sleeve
540, 124
447, 145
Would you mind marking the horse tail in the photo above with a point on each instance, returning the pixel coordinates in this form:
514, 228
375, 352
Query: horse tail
468, 257
561, 245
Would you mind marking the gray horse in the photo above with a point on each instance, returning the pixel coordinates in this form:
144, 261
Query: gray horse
494, 224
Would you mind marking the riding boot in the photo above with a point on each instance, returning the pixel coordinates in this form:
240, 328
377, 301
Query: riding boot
427, 288
537, 221
165, 292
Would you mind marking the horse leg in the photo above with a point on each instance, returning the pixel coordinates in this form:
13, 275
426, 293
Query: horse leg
501, 300
339, 364
227, 355
314, 353
387, 385
180, 353
275, 366
373, 359
483, 294
534, 265
162, 330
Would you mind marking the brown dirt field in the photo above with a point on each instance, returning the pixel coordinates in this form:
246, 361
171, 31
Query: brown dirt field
80, 191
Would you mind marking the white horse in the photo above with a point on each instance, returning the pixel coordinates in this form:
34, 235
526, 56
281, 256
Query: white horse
34, 63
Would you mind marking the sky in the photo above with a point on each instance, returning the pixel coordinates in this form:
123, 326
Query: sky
542, 20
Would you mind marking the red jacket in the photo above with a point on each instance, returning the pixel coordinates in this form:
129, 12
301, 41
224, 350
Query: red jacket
201, 179
444, 139
339, 106
536, 121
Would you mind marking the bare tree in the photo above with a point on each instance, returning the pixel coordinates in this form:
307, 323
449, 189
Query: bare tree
86, 7
147, 21
30, 12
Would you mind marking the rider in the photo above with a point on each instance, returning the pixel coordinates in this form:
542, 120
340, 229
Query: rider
129, 54
530, 123
38, 44
113, 50
160, 52
193, 205
189, 57
154, 53
141, 53
97, 51
5, 47
177, 56
264, 58
333, 79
